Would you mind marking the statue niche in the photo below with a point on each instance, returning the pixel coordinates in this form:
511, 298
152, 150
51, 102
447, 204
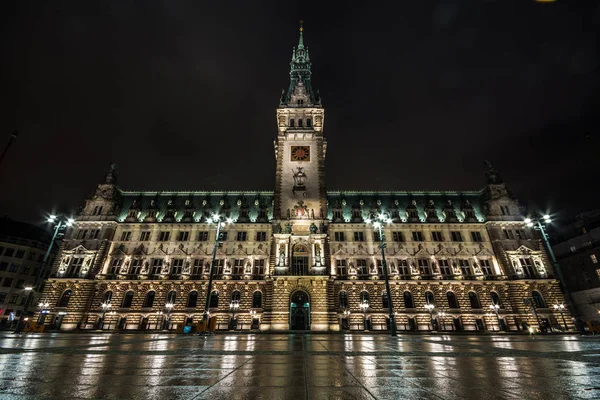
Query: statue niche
299, 179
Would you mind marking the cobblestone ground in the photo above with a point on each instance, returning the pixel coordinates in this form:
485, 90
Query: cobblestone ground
155, 366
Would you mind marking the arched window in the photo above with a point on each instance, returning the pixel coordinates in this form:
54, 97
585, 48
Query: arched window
364, 297
171, 297
452, 300
474, 300
343, 299
429, 299
408, 300
308, 123
107, 296
214, 299
300, 123
495, 298
127, 300
291, 123
192, 301
538, 299
64, 299
235, 297
257, 299
384, 300
149, 300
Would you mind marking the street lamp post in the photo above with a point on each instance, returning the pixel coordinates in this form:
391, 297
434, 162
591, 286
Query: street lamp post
105, 306
233, 307
537, 224
61, 223
220, 223
495, 307
169, 307
43, 307
346, 317
364, 306
379, 220
442, 315
560, 308
430, 308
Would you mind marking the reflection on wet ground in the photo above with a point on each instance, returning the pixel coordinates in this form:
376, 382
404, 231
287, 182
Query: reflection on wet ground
279, 366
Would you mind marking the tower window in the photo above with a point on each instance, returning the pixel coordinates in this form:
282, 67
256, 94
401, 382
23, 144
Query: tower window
291, 123
308, 123
299, 123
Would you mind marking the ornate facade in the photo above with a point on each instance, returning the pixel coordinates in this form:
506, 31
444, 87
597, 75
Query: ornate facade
301, 257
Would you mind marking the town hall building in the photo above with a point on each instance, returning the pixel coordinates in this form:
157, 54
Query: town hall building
301, 257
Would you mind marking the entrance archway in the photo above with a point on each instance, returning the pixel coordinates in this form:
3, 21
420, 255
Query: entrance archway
299, 311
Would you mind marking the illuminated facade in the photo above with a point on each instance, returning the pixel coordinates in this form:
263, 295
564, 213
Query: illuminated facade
301, 257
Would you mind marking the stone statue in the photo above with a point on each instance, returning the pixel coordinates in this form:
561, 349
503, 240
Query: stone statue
313, 228
288, 228
278, 228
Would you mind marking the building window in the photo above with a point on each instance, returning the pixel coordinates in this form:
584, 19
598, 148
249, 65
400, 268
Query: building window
495, 298
214, 299
403, 268
238, 266
408, 300
203, 236
423, 266
241, 236
9, 252
145, 236
259, 267
64, 299
192, 300
177, 266
573, 249
94, 233
429, 299
115, 266
198, 266
218, 267
538, 300
436, 236
149, 299
379, 267
13, 268
164, 236
452, 300
136, 266
127, 300
504, 210
364, 297
171, 296
508, 234
156, 266
107, 296
82, 234
384, 300
183, 236
593, 259
521, 234
261, 236
474, 300
444, 267
343, 299
397, 237
338, 215
299, 122
292, 123
417, 236
456, 236
126, 236
235, 297
356, 214
476, 237
339, 237
222, 236
359, 237
486, 267
465, 267
20, 254
340, 267
7, 282
257, 299
308, 123
361, 267
75, 266
528, 268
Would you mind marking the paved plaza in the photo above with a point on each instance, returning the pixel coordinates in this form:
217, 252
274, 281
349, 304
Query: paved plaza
297, 366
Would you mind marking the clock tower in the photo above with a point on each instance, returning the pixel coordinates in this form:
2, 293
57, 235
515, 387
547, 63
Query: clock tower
300, 199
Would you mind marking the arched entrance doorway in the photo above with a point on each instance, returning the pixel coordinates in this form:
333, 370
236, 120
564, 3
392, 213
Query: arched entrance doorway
299, 311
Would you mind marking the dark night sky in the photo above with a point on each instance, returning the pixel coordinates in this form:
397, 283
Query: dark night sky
182, 96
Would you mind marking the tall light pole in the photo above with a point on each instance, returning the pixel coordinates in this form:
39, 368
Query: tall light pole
430, 308
494, 307
105, 307
216, 219
442, 315
169, 307
364, 306
560, 308
378, 222
61, 223
13, 136
234, 306
537, 224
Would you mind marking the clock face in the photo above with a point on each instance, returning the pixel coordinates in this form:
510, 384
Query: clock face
300, 153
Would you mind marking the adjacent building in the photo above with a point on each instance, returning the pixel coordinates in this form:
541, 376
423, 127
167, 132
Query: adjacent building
22, 250
302, 257
578, 254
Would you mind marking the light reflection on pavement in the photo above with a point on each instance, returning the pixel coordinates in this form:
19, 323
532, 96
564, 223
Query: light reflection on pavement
281, 366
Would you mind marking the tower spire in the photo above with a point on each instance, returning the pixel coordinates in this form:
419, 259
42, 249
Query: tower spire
300, 72
301, 40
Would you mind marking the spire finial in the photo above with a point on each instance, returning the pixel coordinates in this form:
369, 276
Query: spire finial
301, 41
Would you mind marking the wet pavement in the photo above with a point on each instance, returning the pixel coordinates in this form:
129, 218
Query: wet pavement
279, 366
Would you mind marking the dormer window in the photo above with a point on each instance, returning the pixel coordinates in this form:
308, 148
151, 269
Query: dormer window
299, 123
308, 123
300, 101
291, 123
